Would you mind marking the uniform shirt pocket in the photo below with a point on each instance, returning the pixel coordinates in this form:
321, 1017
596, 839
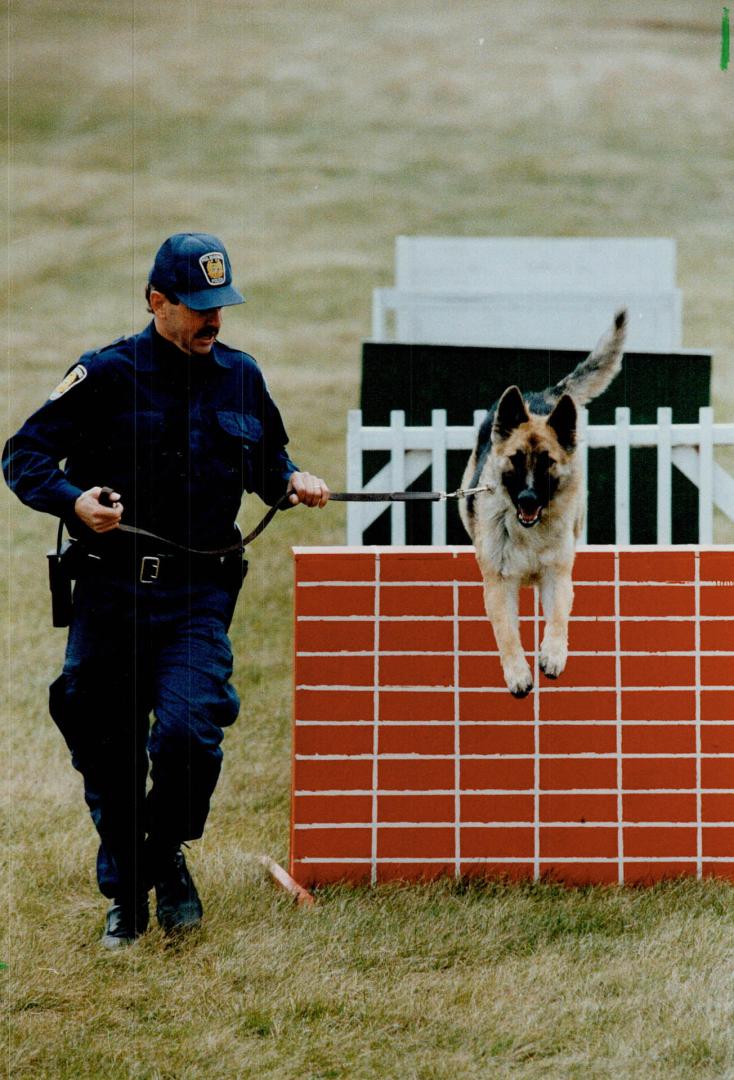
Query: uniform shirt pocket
242, 435
243, 425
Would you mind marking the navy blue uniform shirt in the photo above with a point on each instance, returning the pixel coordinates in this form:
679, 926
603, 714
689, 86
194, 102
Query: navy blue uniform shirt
179, 437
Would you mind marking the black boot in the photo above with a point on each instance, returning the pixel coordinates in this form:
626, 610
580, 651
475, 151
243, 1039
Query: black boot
124, 923
178, 905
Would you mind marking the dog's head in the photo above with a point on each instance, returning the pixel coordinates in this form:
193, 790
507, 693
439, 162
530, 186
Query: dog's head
533, 453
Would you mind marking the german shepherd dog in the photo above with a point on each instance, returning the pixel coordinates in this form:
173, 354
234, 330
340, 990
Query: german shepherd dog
525, 526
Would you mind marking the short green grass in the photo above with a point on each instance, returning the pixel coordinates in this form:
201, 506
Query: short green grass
308, 136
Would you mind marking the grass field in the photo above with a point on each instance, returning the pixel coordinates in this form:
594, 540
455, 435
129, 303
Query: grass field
308, 136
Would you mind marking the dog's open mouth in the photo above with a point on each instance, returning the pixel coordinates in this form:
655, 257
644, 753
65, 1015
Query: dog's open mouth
528, 519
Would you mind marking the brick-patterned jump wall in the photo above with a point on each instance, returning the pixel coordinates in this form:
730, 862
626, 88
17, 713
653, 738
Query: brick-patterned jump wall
411, 758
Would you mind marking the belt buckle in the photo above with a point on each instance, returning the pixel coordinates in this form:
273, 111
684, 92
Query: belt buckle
150, 568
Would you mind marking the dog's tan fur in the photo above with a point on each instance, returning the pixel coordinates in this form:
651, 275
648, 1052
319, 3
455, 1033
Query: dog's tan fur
511, 554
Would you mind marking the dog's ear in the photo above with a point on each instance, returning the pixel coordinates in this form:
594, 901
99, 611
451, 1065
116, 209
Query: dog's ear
563, 420
511, 412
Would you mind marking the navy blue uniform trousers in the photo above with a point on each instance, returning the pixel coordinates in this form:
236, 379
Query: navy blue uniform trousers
136, 649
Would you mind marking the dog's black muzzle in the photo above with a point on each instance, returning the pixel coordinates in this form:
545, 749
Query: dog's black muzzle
528, 508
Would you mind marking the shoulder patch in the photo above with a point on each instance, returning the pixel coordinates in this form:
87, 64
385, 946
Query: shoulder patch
75, 376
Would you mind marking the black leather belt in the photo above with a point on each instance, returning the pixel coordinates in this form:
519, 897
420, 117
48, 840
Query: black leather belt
166, 569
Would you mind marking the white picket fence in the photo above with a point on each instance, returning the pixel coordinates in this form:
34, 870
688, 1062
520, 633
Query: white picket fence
688, 447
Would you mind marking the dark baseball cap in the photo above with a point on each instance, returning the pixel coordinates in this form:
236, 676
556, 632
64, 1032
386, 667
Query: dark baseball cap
195, 268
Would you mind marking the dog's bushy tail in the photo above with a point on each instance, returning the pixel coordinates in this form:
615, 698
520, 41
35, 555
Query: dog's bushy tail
594, 374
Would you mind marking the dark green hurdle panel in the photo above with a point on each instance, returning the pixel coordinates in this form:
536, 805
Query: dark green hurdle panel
460, 379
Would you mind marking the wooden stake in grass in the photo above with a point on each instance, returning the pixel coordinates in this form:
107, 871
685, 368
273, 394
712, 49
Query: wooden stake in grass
301, 896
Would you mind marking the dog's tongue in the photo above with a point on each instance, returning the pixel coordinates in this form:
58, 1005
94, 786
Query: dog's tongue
529, 517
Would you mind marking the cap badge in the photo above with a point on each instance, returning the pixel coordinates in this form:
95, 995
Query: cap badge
213, 266
76, 375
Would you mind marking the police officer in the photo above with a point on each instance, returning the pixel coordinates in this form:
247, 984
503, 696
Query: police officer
178, 425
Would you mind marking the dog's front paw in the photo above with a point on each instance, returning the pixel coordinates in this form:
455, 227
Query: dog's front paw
553, 656
518, 677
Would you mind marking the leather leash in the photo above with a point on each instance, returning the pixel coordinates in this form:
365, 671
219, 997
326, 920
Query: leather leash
334, 496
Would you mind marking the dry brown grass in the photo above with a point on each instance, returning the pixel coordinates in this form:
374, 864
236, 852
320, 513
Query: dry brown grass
308, 136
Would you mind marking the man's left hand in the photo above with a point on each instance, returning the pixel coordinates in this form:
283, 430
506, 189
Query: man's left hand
304, 487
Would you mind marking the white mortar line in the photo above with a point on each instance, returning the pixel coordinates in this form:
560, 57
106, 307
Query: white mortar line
536, 734
376, 720
697, 630
457, 739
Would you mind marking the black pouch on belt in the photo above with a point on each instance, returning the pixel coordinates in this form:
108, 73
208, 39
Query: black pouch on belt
234, 570
65, 564
60, 584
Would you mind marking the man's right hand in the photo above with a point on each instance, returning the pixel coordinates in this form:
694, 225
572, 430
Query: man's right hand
99, 518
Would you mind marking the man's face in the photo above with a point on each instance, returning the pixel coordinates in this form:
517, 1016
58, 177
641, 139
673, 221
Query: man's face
193, 332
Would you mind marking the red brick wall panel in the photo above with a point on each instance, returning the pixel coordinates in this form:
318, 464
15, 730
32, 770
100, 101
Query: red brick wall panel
410, 635
504, 871
420, 774
655, 635
718, 806
327, 600
486, 842
717, 739
337, 705
717, 634
647, 873
578, 808
508, 774
594, 566
575, 774
656, 600
658, 772
563, 705
487, 808
332, 843
336, 670
328, 809
589, 635
601, 873
341, 636
497, 739
416, 670
658, 705
658, 670
415, 807
717, 705
647, 566
480, 671
660, 806
412, 871
401, 706
718, 842
717, 600
594, 600
653, 841
428, 739
477, 707
717, 670
438, 770
578, 739
416, 600
314, 774
347, 739
652, 738
586, 841
410, 842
